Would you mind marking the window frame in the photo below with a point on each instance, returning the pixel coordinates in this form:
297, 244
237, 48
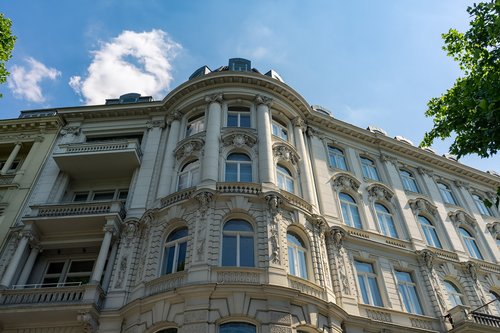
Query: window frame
221, 328
284, 173
195, 124
350, 205
384, 218
481, 207
454, 293
239, 111
409, 297
279, 129
238, 164
369, 170
428, 230
298, 251
176, 244
194, 166
334, 155
238, 234
65, 273
409, 181
470, 243
367, 277
447, 194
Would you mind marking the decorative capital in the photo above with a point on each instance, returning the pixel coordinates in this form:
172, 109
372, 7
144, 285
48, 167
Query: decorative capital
216, 98
239, 139
38, 138
130, 232
267, 101
174, 116
337, 235
155, 123
319, 222
299, 122
110, 228
426, 258
471, 269
389, 159
189, 148
459, 184
283, 152
204, 199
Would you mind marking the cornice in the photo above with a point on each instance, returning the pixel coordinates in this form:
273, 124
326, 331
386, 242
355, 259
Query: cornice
38, 125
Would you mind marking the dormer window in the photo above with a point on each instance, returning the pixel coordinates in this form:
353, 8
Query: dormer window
240, 65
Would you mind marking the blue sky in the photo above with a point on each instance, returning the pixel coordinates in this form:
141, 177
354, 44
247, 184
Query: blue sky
369, 62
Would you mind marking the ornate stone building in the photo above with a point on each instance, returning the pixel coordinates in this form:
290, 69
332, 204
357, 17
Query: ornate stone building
232, 205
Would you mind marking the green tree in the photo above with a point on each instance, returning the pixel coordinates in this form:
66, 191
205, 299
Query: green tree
7, 41
470, 110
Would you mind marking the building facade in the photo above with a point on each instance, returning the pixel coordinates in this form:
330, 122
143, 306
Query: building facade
232, 205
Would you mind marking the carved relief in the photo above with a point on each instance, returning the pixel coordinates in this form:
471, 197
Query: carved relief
259, 99
121, 272
274, 204
285, 153
215, 98
344, 181
204, 199
390, 159
188, 148
298, 122
155, 123
239, 139
494, 229
88, 321
174, 116
130, 232
341, 262
70, 130
472, 270
379, 192
459, 217
420, 205
427, 259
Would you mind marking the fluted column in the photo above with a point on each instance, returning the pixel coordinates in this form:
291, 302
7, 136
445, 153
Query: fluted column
167, 171
26, 236
305, 166
11, 158
266, 162
28, 266
109, 231
210, 164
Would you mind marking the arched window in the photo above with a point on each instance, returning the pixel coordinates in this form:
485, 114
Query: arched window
279, 129
296, 255
237, 328
483, 209
350, 212
430, 233
470, 243
369, 169
455, 297
238, 116
496, 301
285, 179
446, 194
409, 182
336, 158
167, 330
196, 124
238, 244
174, 257
385, 221
238, 168
189, 175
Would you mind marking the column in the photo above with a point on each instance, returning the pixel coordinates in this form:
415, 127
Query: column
109, 230
305, 166
16, 258
210, 164
167, 171
109, 268
266, 161
12, 157
28, 266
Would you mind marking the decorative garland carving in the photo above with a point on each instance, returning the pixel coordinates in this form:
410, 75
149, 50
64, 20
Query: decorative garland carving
239, 139
378, 191
345, 181
419, 205
189, 147
284, 153
459, 217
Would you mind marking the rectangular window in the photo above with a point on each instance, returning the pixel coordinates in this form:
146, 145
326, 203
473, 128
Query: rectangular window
408, 293
368, 286
101, 196
238, 116
80, 196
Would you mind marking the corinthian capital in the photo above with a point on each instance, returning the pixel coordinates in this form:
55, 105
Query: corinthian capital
215, 98
259, 99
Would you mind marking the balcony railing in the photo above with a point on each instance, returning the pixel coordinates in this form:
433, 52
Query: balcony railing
105, 146
80, 208
239, 188
460, 317
485, 319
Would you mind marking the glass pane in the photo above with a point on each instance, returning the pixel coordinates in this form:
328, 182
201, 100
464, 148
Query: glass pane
238, 157
179, 233
77, 279
405, 297
355, 217
103, 196
80, 197
291, 261
364, 289
302, 264
55, 267
169, 260
245, 120
181, 260
345, 214
237, 225
183, 181
229, 251
294, 239
414, 300
245, 172
377, 300
237, 328
231, 172
364, 267
232, 120
246, 252
81, 266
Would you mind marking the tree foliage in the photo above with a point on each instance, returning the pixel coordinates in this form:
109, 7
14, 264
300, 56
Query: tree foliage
7, 41
471, 108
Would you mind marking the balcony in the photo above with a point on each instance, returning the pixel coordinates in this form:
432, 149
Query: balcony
85, 218
44, 303
87, 160
464, 321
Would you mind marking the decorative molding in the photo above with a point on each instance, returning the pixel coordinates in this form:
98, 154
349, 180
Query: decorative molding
70, 130
494, 229
88, 321
377, 191
155, 123
204, 199
460, 184
274, 203
460, 217
471, 269
238, 138
190, 147
419, 205
298, 122
215, 98
345, 181
130, 232
424, 171
285, 153
174, 116
427, 258
121, 272
267, 101
390, 159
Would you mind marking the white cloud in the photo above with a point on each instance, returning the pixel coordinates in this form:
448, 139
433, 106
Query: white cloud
25, 81
132, 62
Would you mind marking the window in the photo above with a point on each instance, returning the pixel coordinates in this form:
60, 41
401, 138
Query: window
455, 297
446, 194
409, 182
285, 179
483, 209
470, 243
369, 169
195, 125
189, 175
408, 293
336, 158
237, 244
13, 166
68, 272
496, 298
238, 168
367, 280
350, 212
174, 257
104, 195
279, 130
237, 328
238, 116
385, 221
429, 232
296, 255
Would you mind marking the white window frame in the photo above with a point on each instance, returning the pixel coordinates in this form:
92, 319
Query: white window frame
65, 272
483, 210
430, 228
336, 157
238, 166
239, 114
191, 170
415, 306
279, 130
176, 244
447, 194
195, 124
455, 295
369, 168
238, 234
366, 277
284, 179
297, 251
349, 220
471, 243
385, 219
409, 181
